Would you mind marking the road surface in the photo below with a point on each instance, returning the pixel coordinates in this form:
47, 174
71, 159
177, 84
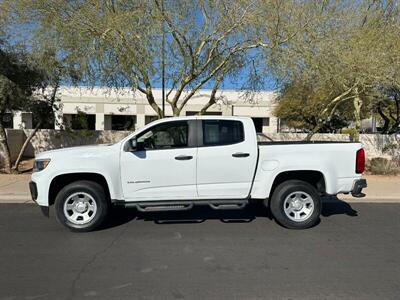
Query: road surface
353, 253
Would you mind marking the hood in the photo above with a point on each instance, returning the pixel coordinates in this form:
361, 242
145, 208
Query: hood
81, 150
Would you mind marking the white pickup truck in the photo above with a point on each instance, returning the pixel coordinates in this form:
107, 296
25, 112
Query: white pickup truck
176, 163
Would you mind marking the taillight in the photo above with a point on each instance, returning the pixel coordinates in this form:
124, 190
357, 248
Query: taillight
360, 161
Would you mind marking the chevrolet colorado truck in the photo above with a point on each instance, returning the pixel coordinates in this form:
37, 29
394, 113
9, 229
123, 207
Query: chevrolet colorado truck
176, 163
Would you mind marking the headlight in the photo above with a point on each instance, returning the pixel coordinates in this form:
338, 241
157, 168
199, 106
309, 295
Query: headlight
40, 164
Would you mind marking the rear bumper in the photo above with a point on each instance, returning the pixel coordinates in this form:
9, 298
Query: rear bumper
358, 187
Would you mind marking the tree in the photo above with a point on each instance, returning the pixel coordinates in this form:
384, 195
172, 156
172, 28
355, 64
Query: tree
28, 82
18, 80
388, 108
300, 103
118, 43
349, 50
43, 106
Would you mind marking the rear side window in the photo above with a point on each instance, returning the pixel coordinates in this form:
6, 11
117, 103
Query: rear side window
222, 132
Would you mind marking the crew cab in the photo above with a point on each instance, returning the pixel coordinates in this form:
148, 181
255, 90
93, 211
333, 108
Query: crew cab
176, 163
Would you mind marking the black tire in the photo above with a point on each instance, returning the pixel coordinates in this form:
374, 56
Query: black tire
97, 194
286, 189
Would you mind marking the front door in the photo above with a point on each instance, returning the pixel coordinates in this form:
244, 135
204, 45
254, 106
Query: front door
166, 168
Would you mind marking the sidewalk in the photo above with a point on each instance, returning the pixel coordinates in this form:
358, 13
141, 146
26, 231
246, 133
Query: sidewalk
15, 189
381, 189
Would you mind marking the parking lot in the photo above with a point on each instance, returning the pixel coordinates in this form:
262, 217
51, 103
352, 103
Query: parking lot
354, 253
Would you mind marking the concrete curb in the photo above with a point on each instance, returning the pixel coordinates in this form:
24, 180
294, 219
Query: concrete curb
369, 200
7, 198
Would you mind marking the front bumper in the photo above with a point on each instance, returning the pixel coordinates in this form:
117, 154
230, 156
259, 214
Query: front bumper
33, 190
357, 188
40, 188
34, 194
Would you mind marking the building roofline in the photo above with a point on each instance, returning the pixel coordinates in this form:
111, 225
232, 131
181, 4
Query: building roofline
128, 89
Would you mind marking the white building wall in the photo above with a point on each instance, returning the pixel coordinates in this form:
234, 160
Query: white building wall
104, 103
22, 120
99, 121
17, 120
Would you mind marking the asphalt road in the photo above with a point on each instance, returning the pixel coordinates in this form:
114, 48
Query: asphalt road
354, 253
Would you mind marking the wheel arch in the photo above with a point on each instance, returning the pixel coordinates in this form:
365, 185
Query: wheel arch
63, 180
313, 177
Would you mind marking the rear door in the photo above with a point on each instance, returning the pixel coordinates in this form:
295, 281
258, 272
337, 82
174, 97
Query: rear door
226, 158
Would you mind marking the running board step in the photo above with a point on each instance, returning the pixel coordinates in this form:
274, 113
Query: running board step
164, 207
227, 205
184, 205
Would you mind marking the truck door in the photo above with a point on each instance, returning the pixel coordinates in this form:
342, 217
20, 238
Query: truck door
166, 168
226, 158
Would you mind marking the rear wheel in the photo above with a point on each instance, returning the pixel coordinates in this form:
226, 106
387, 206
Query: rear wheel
296, 204
81, 206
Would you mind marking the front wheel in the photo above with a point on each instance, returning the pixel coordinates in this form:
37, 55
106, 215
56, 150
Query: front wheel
295, 204
81, 206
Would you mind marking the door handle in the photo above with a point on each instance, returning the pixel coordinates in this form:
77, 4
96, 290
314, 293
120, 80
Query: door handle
240, 154
183, 157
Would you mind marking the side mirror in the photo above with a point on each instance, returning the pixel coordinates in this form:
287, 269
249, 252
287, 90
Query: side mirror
134, 145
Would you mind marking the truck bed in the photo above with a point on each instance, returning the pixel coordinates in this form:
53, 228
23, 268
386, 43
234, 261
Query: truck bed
336, 160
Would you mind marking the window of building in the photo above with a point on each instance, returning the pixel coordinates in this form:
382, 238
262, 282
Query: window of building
259, 123
47, 123
207, 113
123, 122
222, 132
80, 121
8, 121
165, 136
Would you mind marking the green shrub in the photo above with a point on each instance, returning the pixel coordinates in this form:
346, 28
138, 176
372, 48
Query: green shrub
350, 131
382, 166
393, 150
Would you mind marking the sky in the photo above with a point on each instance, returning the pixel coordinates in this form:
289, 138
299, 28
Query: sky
22, 33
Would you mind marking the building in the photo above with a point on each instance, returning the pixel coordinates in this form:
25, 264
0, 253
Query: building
106, 109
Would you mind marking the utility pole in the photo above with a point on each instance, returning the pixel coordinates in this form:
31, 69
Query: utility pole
163, 63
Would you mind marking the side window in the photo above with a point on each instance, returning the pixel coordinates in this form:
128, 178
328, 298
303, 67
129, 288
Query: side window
165, 136
222, 132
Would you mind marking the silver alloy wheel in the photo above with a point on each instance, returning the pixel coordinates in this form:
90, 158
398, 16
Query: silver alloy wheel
298, 206
80, 208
